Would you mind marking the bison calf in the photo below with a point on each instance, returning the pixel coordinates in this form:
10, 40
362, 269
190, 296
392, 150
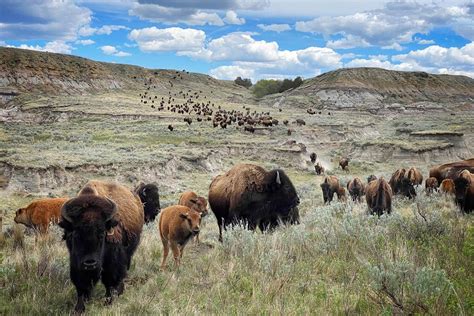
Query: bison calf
178, 224
431, 185
447, 186
40, 213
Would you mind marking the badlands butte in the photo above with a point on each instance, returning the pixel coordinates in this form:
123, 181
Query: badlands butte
66, 119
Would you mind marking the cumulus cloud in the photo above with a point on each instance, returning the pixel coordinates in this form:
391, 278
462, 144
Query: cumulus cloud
52, 47
232, 18
105, 29
348, 41
48, 20
153, 39
111, 50
397, 22
85, 42
274, 27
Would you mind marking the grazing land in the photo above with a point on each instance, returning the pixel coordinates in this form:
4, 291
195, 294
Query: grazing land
84, 120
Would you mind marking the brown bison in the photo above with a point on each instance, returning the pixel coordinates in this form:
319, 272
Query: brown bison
464, 191
148, 194
431, 185
194, 202
379, 196
344, 163
341, 194
318, 168
447, 186
396, 180
356, 189
313, 157
371, 178
40, 213
412, 178
331, 186
178, 224
248, 193
451, 170
102, 228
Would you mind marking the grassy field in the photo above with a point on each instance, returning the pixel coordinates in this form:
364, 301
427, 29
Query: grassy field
339, 260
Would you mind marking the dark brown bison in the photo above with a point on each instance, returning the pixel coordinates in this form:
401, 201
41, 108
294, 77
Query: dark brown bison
102, 228
344, 163
318, 168
464, 191
447, 186
150, 197
396, 180
379, 196
40, 213
431, 185
178, 224
329, 187
411, 179
356, 189
451, 170
248, 193
313, 157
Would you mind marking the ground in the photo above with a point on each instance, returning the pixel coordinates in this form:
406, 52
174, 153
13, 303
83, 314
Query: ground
338, 260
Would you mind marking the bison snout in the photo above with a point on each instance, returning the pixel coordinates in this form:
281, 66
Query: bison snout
196, 230
89, 264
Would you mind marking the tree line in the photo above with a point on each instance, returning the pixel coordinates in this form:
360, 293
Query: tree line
269, 86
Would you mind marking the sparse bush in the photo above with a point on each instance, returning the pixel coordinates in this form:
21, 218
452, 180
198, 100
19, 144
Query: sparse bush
247, 83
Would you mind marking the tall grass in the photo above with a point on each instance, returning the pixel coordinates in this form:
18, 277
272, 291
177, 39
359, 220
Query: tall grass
339, 260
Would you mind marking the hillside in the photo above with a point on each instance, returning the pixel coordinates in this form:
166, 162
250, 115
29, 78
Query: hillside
30, 71
373, 87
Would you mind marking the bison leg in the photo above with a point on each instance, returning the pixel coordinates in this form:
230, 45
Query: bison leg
114, 270
166, 250
220, 223
176, 252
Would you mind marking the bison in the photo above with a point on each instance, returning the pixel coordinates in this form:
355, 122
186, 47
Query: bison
248, 193
396, 180
464, 191
344, 163
40, 213
379, 196
178, 224
102, 228
194, 202
431, 185
313, 157
371, 178
451, 170
356, 189
148, 194
318, 168
329, 187
447, 186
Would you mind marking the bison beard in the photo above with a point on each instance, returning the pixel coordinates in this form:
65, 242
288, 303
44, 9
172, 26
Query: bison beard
248, 194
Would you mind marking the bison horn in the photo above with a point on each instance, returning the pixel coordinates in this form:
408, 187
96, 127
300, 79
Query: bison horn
144, 191
278, 181
114, 209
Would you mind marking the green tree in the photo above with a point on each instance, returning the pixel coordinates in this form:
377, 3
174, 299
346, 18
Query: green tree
243, 82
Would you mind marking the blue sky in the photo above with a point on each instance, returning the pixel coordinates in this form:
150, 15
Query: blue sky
250, 38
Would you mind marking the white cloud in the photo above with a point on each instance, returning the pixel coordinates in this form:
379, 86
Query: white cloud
105, 29
47, 20
52, 47
394, 46
153, 39
111, 50
349, 41
425, 42
156, 13
85, 42
232, 72
232, 18
274, 27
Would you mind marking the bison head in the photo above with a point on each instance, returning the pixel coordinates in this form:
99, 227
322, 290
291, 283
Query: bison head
150, 198
407, 188
461, 186
283, 194
87, 220
192, 221
200, 205
21, 217
327, 192
371, 178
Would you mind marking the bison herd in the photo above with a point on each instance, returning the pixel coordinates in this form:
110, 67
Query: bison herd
102, 225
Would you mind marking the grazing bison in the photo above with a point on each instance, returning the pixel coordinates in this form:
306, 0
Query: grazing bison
431, 185
148, 194
170, 127
379, 196
40, 213
250, 194
318, 168
451, 170
356, 189
329, 187
371, 178
178, 224
447, 186
313, 157
464, 191
344, 163
396, 180
102, 228
300, 122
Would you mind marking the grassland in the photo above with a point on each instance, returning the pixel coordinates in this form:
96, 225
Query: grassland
339, 260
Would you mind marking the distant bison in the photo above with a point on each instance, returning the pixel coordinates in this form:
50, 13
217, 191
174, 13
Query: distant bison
318, 168
396, 180
178, 224
431, 185
451, 170
356, 189
150, 198
329, 187
40, 213
313, 157
411, 179
464, 187
344, 163
102, 228
379, 196
447, 186
250, 194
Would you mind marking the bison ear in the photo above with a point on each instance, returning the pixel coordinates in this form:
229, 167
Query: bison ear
278, 180
185, 215
111, 223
